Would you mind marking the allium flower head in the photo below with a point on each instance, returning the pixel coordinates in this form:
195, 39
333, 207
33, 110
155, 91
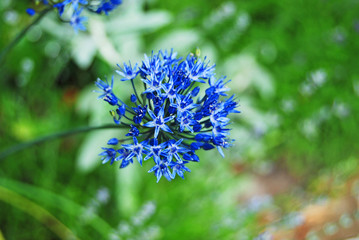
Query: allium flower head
181, 108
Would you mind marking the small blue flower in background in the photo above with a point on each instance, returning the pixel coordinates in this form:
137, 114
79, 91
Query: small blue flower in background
169, 118
76, 7
107, 6
77, 20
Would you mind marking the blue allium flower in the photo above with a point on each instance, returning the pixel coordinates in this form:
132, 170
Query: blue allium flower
107, 6
109, 154
135, 149
179, 168
76, 6
159, 122
181, 108
77, 20
127, 72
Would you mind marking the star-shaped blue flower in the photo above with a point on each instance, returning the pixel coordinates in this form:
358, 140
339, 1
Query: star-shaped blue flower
155, 150
124, 153
104, 86
77, 20
154, 82
108, 155
174, 149
127, 72
159, 122
179, 168
160, 169
136, 149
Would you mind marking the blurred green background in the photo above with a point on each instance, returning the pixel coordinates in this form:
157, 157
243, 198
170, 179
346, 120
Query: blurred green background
294, 67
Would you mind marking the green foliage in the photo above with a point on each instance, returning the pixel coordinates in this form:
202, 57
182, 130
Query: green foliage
293, 65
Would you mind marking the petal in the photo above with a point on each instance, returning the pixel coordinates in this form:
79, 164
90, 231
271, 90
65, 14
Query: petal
158, 175
220, 151
148, 156
180, 173
130, 156
149, 124
153, 169
157, 130
153, 116
167, 119
165, 128
178, 157
179, 142
161, 112
167, 174
139, 158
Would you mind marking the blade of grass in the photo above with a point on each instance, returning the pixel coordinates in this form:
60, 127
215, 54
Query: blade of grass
37, 212
57, 201
1, 236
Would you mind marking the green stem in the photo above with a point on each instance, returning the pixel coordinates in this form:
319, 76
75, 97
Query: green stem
134, 89
22, 146
17, 39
